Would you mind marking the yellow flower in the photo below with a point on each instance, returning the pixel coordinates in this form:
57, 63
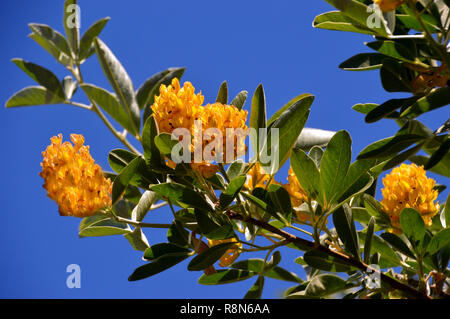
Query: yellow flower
257, 178
407, 186
72, 178
298, 195
206, 169
223, 117
231, 254
430, 79
388, 5
176, 107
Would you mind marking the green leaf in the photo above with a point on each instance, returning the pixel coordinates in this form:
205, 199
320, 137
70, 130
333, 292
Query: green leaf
412, 225
72, 31
389, 146
149, 94
165, 143
398, 243
146, 201
335, 20
257, 117
388, 257
209, 256
364, 108
108, 102
345, 227
52, 41
307, 173
277, 114
363, 62
334, 166
446, 212
374, 209
146, 93
411, 22
395, 77
182, 195
123, 179
438, 155
325, 285
289, 124
230, 193
392, 49
151, 151
42, 76
385, 109
279, 203
323, 261
87, 40
120, 82
359, 12
214, 227
101, 225
69, 86
155, 251
222, 96
118, 159
310, 137
137, 239
368, 240
237, 168
255, 200
158, 265
255, 291
439, 241
239, 100
176, 234
316, 154
132, 193
225, 276
356, 181
436, 99
33, 95
255, 265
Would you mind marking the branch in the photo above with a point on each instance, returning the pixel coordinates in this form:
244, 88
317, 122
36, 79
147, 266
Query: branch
342, 257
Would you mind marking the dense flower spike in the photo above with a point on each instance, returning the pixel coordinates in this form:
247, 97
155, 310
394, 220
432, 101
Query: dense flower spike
407, 186
231, 254
298, 195
205, 169
388, 5
257, 178
176, 107
72, 178
222, 117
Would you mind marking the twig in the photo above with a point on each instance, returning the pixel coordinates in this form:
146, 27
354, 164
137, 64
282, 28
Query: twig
289, 238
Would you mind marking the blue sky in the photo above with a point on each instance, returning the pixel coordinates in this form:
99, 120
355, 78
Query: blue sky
243, 42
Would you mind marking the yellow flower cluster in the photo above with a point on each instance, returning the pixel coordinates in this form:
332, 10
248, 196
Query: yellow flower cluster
206, 169
430, 79
223, 117
257, 178
388, 5
298, 195
231, 254
177, 107
407, 186
72, 178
